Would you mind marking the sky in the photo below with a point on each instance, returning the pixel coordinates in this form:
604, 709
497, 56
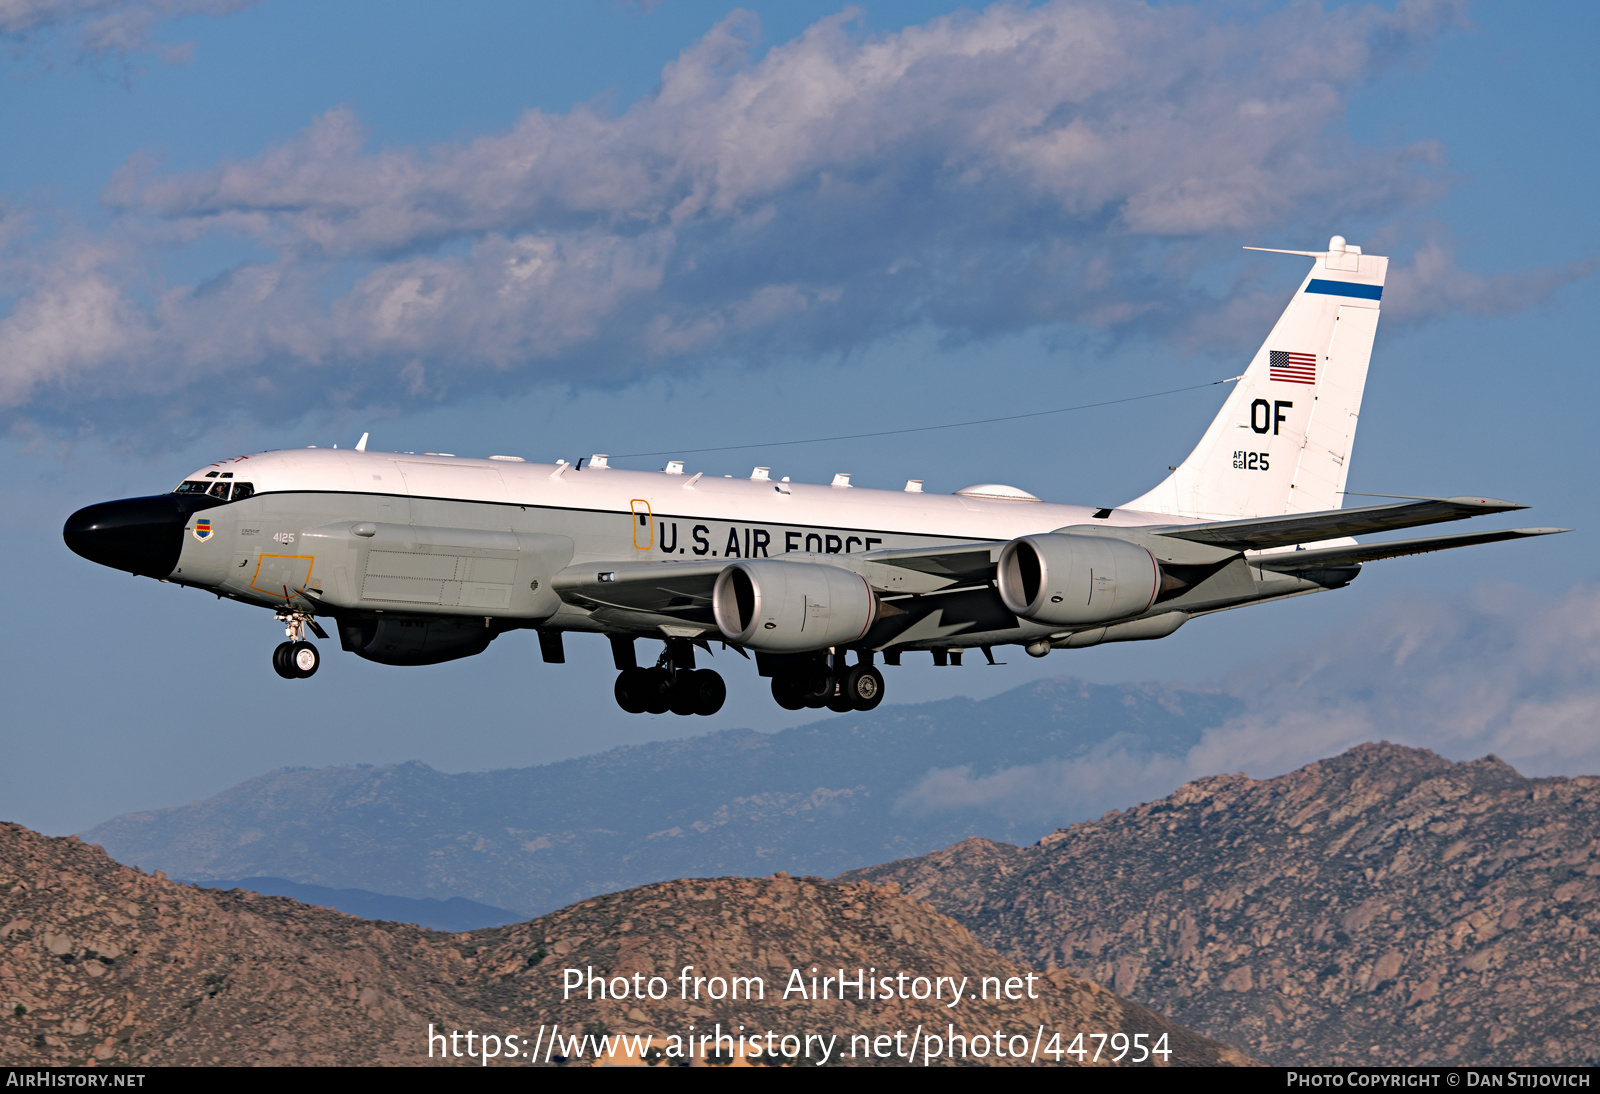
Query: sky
687, 230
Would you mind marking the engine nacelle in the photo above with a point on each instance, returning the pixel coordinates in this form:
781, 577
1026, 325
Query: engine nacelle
1058, 578
792, 607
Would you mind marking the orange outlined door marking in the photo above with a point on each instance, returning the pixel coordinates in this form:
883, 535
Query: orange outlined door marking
644, 527
282, 576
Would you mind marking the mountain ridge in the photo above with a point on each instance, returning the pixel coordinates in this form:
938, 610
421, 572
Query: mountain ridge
1384, 906
816, 799
101, 964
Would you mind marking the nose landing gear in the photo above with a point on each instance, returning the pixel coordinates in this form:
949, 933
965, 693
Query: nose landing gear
297, 659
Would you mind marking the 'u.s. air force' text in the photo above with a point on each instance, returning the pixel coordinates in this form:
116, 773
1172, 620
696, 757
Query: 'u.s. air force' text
754, 542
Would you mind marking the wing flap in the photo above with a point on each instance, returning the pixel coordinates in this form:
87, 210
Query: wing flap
1262, 533
1317, 557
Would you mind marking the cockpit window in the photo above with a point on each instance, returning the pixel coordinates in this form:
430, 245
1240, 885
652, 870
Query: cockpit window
218, 489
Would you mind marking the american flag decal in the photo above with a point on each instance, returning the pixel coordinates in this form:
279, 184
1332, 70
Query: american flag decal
1293, 368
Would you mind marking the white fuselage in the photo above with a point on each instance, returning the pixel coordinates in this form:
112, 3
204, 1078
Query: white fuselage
738, 518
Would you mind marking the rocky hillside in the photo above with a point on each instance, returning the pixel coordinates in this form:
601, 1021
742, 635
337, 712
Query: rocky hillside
102, 964
455, 914
815, 799
1386, 906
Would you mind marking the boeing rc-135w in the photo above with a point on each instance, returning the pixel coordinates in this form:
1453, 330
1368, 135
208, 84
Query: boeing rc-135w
418, 559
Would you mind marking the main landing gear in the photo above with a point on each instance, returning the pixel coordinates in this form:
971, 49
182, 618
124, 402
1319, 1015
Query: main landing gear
828, 683
673, 684
296, 659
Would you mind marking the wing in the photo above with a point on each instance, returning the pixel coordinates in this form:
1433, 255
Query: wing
679, 590
1290, 561
623, 594
927, 569
1262, 533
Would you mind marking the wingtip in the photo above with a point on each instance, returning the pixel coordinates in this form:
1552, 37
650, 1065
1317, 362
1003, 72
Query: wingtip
1497, 504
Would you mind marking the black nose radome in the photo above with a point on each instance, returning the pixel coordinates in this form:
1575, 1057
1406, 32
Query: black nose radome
139, 535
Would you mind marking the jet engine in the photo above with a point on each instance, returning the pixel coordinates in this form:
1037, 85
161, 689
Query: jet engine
1064, 579
792, 607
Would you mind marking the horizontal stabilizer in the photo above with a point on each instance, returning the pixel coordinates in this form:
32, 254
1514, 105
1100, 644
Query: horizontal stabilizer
1263, 533
1290, 561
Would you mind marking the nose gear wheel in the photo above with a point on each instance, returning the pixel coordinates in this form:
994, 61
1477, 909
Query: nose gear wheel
296, 659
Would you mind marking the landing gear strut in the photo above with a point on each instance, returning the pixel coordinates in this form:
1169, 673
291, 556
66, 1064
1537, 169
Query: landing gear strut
673, 684
828, 683
296, 659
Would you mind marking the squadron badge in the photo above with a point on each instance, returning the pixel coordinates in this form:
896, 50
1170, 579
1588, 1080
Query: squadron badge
202, 529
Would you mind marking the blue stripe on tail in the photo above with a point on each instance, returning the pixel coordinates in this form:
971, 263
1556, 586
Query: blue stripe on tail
1345, 288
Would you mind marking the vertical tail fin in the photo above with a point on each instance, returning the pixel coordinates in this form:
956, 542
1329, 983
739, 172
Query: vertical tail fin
1281, 443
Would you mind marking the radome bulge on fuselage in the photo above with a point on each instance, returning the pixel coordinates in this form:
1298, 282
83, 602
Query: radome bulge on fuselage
417, 559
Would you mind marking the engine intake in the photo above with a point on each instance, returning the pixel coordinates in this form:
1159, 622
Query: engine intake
1058, 578
792, 607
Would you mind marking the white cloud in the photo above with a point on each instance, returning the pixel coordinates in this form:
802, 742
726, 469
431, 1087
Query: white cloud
1083, 110
984, 172
1505, 671
104, 28
1433, 285
1054, 791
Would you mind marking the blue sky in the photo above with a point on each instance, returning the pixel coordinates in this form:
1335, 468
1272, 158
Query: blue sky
590, 226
